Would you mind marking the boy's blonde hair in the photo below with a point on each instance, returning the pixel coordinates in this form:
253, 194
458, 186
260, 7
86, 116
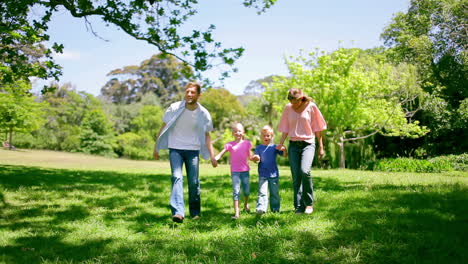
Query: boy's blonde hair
268, 129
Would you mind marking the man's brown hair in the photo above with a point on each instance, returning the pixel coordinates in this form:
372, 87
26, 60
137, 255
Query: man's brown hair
194, 84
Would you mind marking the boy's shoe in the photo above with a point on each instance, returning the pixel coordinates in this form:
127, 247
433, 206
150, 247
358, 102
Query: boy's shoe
195, 217
247, 209
234, 217
260, 212
309, 210
177, 218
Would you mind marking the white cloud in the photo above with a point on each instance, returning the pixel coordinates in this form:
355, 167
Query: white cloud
68, 55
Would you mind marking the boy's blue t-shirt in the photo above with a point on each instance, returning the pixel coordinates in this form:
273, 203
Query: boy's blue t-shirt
267, 167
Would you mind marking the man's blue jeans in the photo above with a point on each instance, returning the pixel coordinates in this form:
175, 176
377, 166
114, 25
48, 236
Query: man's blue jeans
190, 158
301, 155
270, 185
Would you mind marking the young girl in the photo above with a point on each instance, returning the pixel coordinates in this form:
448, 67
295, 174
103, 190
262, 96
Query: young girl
268, 174
241, 153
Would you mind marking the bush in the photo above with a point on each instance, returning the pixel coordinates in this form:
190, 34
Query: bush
437, 164
134, 146
23, 140
458, 162
411, 165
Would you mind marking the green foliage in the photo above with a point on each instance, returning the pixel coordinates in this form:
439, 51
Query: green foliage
23, 54
97, 135
437, 164
358, 93
148, 121
19, 112
457, 162
223, 106
162, 75
432, 35
135, 146
158, 23
65, 111
139, 143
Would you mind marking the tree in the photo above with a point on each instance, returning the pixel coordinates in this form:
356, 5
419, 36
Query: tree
97, 135
163, 75
138, 143
19, 112
222, 105
257, 87
22, 54
359, 94
65, 111
155, 21
432, 35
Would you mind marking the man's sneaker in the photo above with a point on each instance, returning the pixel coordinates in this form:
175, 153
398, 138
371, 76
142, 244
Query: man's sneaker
260, 212
177, 218
309, 210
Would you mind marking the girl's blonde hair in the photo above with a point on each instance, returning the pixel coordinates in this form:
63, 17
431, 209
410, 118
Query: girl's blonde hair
237, 124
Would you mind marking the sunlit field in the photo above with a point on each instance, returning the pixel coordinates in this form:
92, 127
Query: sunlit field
74, 208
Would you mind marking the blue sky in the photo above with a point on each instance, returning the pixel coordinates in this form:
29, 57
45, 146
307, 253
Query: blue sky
285, 29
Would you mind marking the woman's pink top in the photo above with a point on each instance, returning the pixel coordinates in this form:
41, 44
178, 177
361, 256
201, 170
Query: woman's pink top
302, 126
240, 153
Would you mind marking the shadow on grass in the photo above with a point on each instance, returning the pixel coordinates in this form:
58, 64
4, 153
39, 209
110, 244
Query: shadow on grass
378, 223
398, 224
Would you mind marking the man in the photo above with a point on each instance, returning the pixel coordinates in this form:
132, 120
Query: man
185, 132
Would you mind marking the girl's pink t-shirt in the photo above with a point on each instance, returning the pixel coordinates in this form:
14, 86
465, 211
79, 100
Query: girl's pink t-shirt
240, 152
302, 126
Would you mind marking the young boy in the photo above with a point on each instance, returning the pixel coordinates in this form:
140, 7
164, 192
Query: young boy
268, 171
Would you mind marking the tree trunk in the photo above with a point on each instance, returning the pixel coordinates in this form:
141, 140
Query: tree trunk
342, 153
10, 145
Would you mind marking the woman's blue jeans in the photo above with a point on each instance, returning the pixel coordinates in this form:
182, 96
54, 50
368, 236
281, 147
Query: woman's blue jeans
190, 158
301, 155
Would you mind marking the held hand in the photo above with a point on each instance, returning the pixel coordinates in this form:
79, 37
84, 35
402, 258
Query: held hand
156, 155
214, 162
255, 158
280, 147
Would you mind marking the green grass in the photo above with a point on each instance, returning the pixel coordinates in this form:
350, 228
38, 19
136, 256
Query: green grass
73, 208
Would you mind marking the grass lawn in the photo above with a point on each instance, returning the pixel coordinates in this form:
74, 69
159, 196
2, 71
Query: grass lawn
73, 208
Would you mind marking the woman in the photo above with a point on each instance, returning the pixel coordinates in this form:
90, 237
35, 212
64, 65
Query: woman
302, 122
